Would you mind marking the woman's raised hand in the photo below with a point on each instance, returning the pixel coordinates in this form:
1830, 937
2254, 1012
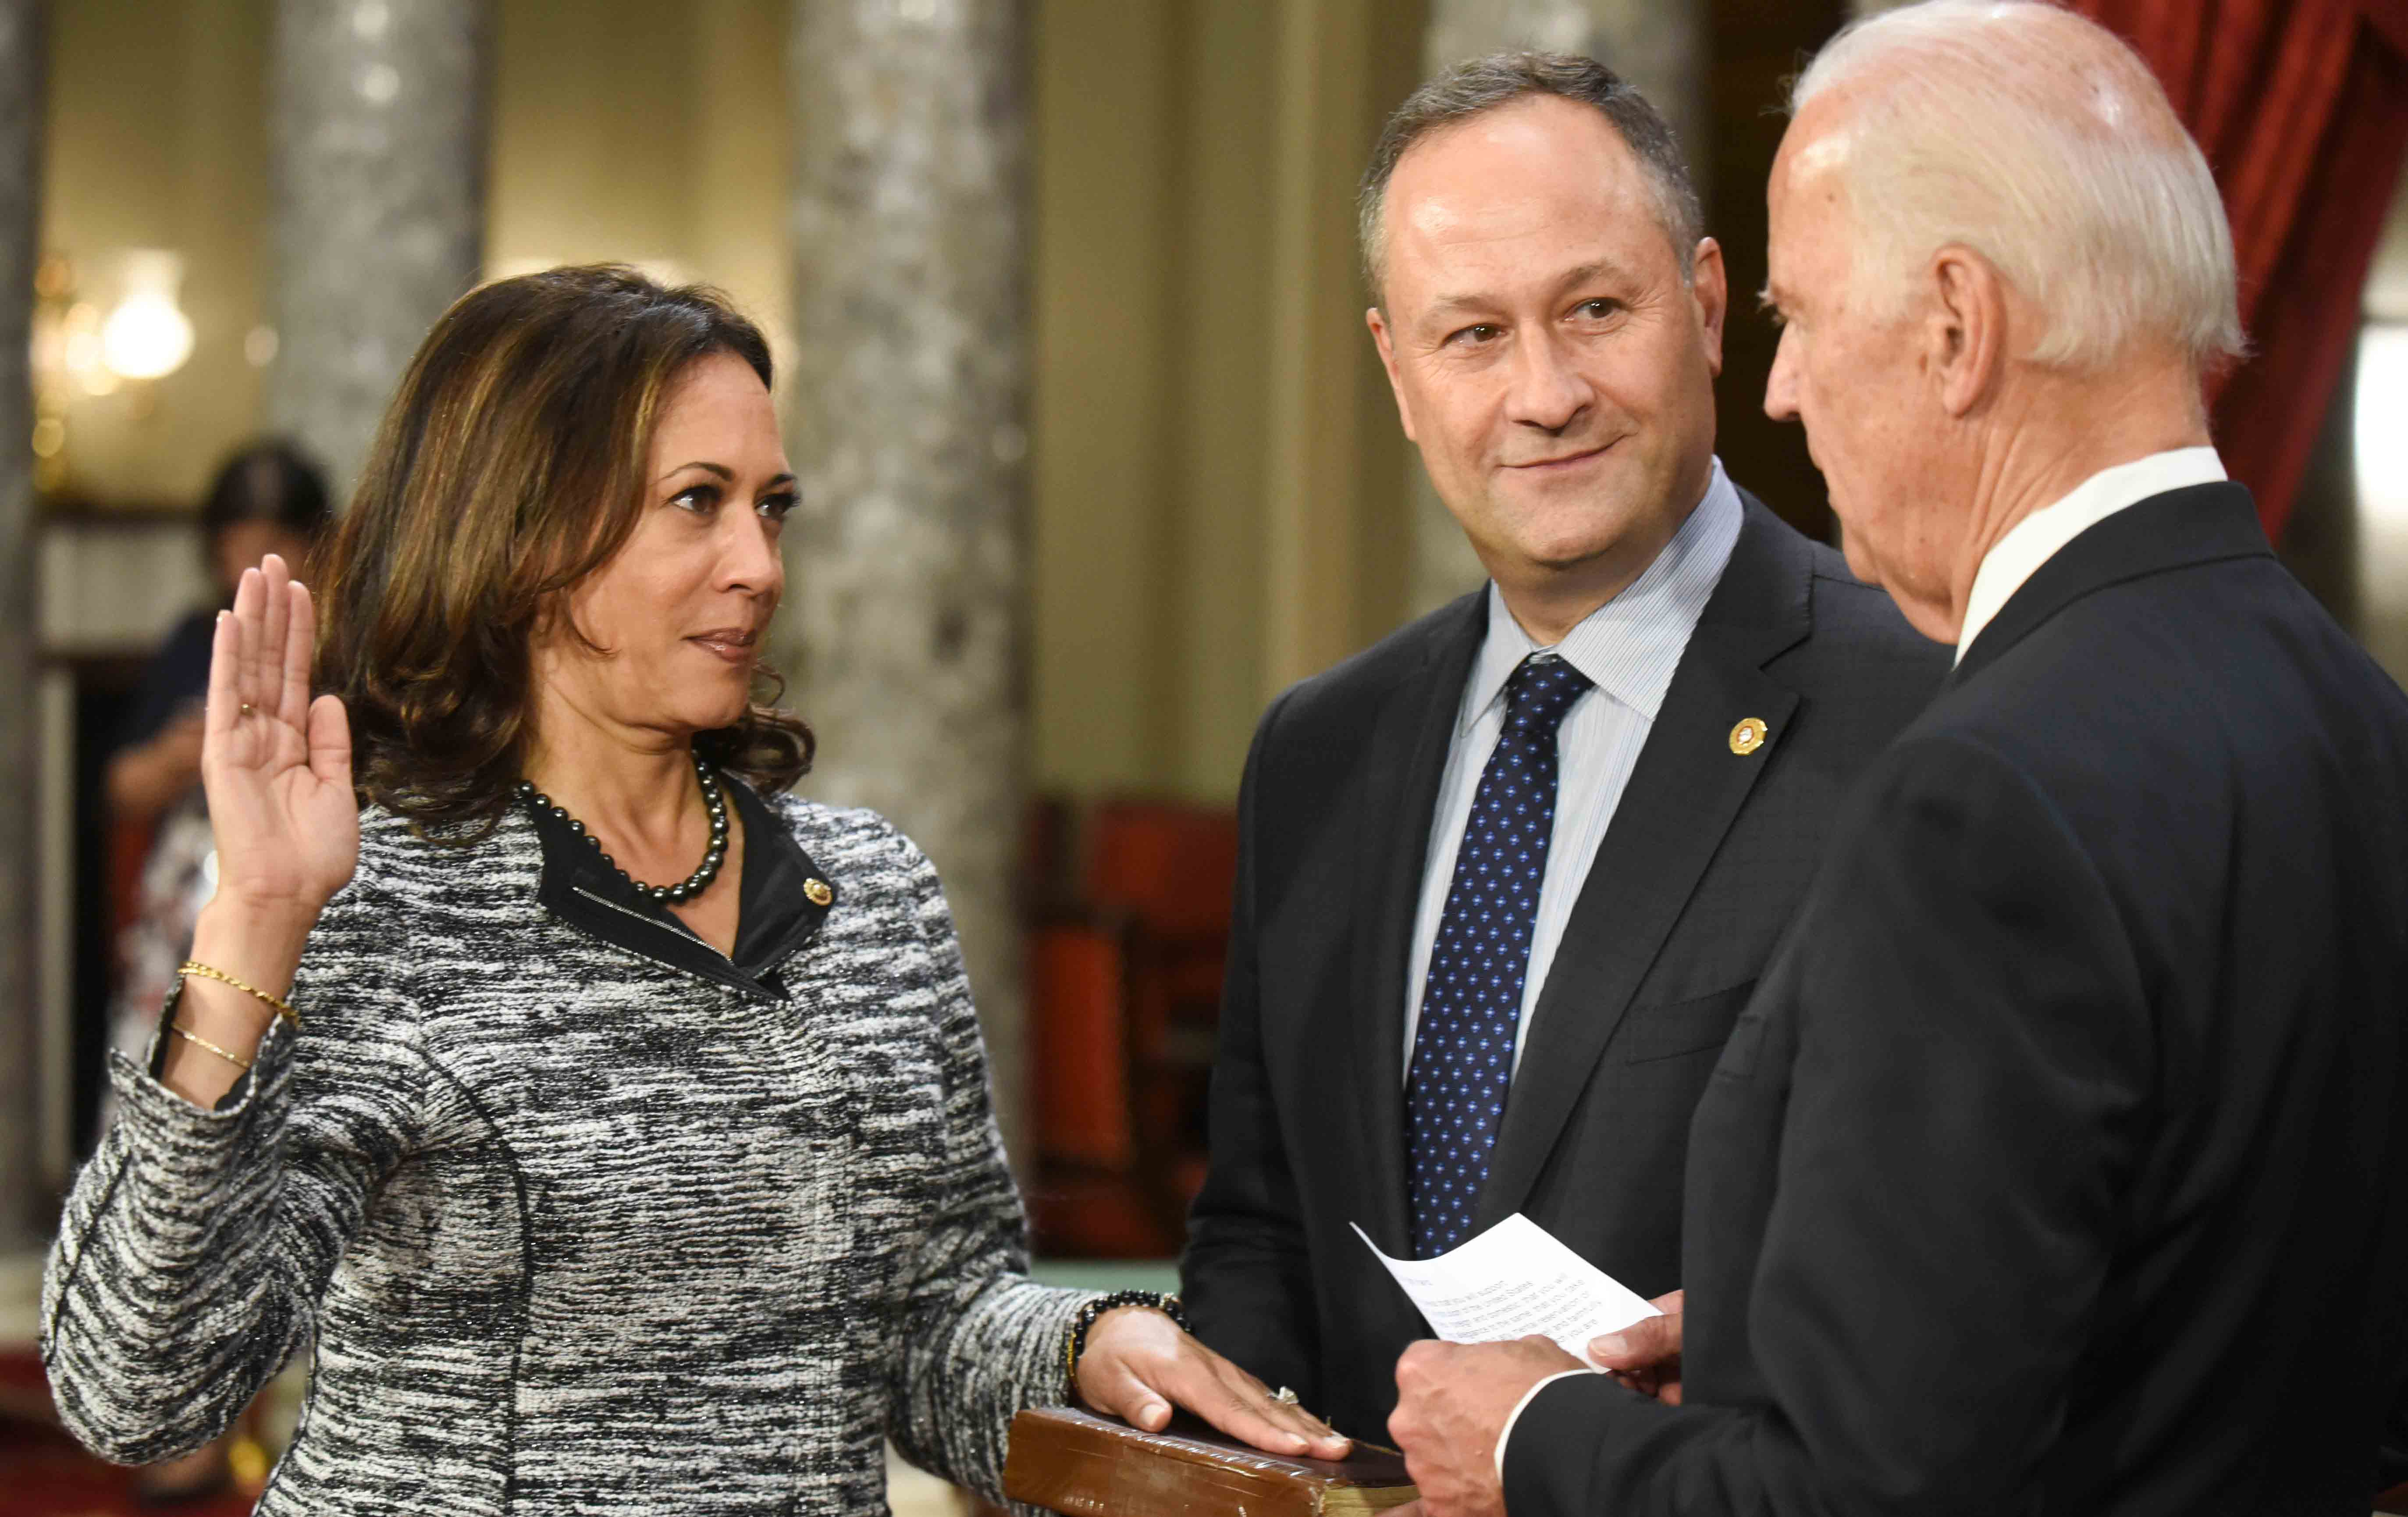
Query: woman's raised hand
277, 765
276, 768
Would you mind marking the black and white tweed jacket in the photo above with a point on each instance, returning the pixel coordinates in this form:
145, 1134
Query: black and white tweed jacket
578, 1219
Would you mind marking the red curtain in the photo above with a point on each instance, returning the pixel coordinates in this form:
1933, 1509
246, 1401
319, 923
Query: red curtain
2301, 107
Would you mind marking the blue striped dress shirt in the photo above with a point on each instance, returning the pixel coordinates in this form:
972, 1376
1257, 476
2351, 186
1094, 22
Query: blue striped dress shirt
1629, 647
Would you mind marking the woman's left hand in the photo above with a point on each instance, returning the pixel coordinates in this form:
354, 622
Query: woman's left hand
1139, 1365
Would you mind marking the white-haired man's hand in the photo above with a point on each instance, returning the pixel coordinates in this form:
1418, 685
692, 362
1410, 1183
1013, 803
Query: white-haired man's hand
1646, 1355
1453, 1400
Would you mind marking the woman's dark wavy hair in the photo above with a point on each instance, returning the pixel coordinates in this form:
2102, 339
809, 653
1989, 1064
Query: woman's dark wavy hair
510, 467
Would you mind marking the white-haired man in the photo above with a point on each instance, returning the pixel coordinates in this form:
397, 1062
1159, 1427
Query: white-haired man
2060, 1163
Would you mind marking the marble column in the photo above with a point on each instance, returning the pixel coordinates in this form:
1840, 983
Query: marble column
905, 623
21, 157
1657, 45
377, 114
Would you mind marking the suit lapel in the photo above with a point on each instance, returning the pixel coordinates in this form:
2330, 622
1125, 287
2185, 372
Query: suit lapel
1683, 794
1407, 751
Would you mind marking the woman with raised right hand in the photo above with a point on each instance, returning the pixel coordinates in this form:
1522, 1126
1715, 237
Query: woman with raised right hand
632, 1150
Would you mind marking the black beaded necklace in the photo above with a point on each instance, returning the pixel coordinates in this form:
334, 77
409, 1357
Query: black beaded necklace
713, 801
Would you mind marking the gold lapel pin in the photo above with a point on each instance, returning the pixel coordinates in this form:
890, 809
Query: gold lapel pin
1748, 735
820, 894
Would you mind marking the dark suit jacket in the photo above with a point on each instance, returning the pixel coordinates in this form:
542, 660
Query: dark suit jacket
1706, 858
2060, 1165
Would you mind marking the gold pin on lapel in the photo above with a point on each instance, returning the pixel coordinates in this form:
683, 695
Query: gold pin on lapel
820, 894
1748, 735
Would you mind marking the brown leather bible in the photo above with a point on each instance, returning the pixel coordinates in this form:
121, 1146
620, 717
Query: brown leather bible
1085, 1466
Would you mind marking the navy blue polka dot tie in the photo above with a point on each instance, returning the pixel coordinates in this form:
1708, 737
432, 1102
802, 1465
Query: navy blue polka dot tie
1471, 1003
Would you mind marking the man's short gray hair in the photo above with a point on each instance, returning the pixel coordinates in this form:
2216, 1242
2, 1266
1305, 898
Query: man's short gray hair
1484, 84
2042, 141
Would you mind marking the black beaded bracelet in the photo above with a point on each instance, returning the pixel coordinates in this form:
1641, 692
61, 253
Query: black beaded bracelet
1074, 1342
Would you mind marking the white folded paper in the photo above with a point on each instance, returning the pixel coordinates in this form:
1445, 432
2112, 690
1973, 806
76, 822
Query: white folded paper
1514, 1280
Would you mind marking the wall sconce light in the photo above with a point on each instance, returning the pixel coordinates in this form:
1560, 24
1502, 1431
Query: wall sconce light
147, 336
85, 348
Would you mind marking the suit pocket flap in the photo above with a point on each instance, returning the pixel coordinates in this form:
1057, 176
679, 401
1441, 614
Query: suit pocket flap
1668, 1029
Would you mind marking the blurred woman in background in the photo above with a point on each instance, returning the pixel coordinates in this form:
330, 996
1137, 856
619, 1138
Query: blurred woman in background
266, 499
623, 1142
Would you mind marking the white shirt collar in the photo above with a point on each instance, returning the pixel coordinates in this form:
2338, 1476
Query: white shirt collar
1630, 645
2034, 540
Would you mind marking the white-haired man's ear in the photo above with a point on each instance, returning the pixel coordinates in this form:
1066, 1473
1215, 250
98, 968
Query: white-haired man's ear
1968, 331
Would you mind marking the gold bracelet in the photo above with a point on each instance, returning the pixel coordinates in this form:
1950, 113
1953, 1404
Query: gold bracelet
283, 1007
197, 1040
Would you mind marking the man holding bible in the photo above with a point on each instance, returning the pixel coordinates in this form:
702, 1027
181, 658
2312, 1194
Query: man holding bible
2060, 1165
1507, 878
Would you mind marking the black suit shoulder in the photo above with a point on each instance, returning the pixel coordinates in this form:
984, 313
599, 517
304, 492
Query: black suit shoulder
2231, 641
2214, 681
2216, 689
1340, 699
